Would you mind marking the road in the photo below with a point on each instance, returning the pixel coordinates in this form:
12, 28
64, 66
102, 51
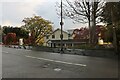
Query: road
21, 63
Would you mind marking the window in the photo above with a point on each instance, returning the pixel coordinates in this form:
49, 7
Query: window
47, 37
53, 36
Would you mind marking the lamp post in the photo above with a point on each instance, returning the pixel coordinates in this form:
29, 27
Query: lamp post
61, 35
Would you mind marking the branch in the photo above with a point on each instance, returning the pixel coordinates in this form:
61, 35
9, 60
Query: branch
74, 9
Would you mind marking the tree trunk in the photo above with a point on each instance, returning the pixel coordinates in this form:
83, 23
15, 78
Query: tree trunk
89, 25
90, 33
33, 37
114, 31
93, 29
115, 40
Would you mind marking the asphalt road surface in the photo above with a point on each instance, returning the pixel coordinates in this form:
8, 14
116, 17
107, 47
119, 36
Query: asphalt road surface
21, 63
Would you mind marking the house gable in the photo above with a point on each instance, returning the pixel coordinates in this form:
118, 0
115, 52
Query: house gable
57, 34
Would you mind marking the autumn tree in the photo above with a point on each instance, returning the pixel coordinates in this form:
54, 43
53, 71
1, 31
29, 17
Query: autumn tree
83, 33
83, 11
38, 27
10, 38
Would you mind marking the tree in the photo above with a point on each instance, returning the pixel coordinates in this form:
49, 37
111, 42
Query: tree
111, 13
20, 32
109, 34
0, 34
111, 16
83, 11
38, 27
10, 38
83, 33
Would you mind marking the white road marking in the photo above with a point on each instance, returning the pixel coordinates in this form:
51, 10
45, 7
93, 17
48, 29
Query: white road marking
53, 53
57, 69
63, 62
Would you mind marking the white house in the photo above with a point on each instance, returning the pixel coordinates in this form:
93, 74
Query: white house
55, 36
54, 40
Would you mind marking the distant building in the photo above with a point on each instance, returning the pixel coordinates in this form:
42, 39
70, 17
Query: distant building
55, 36
70, 31
54, 40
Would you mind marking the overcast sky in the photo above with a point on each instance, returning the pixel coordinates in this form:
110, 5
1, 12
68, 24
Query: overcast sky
14, 11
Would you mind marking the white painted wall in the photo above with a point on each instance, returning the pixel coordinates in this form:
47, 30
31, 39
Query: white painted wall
57, 36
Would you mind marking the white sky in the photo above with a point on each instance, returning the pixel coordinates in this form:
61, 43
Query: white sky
14, 11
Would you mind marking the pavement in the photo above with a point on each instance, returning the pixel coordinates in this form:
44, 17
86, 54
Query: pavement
23, 63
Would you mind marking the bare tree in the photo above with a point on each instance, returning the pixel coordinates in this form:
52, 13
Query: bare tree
83, 11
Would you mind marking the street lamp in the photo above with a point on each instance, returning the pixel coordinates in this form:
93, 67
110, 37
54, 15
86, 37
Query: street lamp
61, 35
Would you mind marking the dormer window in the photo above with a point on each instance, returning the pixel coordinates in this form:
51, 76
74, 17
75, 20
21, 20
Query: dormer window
53, 36
47, 37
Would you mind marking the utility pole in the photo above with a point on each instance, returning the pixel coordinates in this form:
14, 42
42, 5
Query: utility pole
61, 35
